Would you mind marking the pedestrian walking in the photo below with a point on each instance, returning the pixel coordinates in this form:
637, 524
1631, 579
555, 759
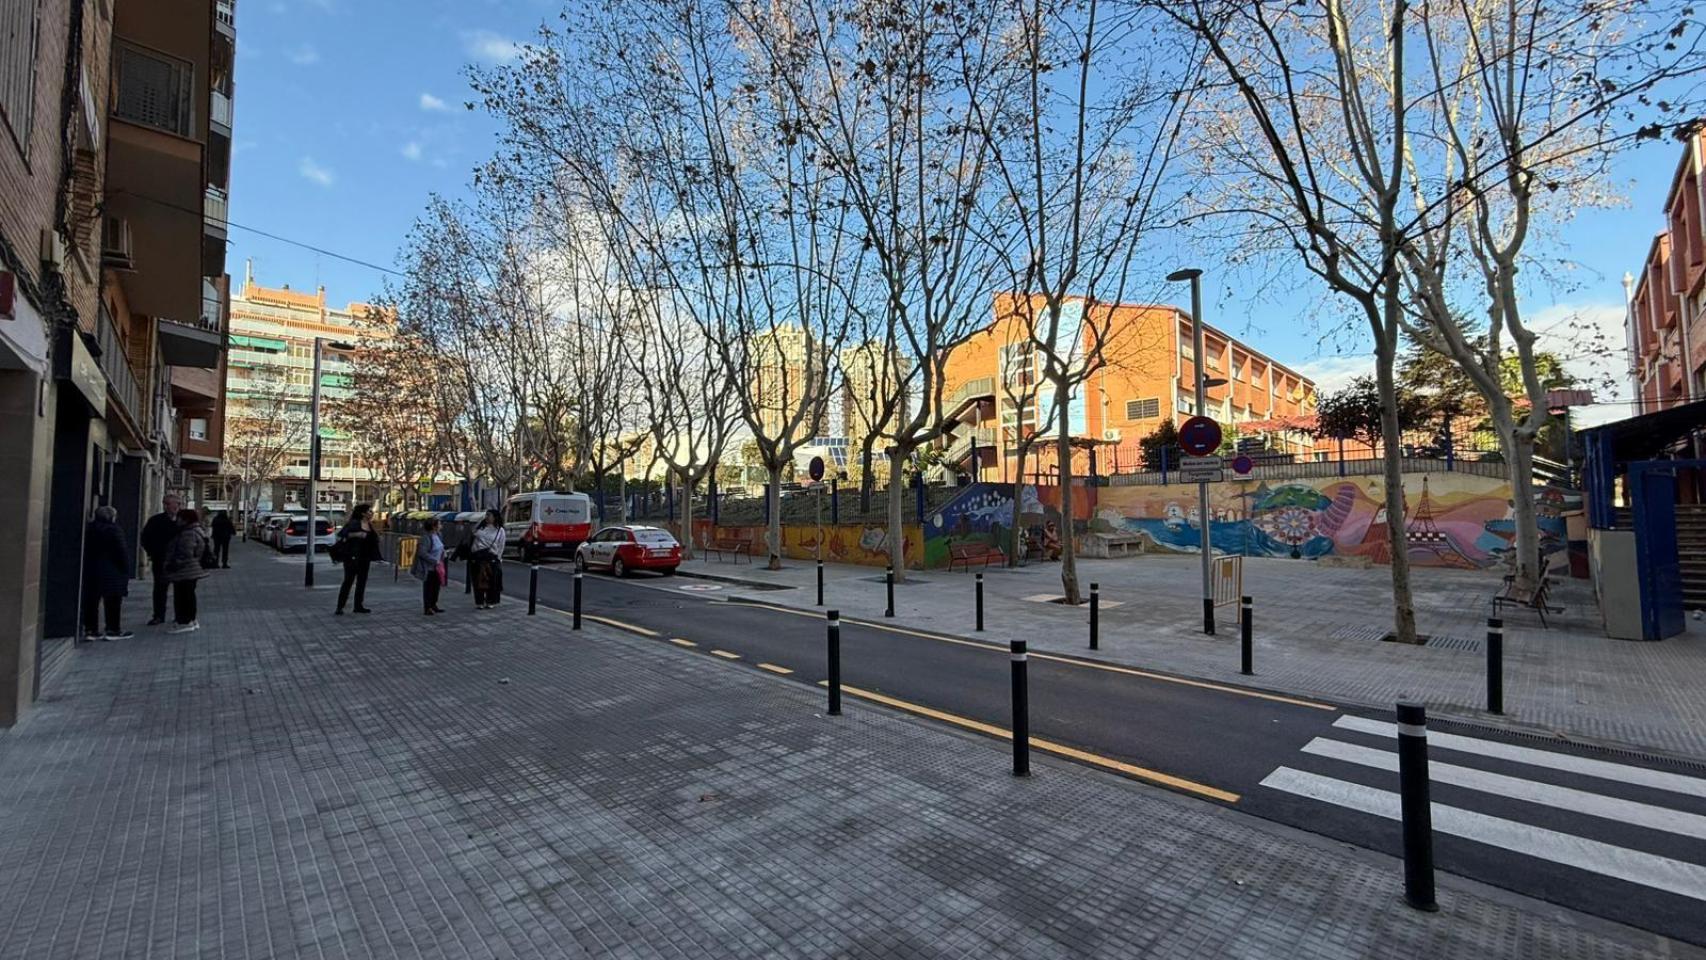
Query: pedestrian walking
488, 553
429, 566
158, 534
106, 575
187, 561
223, 530
356, 548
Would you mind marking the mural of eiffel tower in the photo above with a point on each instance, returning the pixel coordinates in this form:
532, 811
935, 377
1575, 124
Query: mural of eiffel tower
1424, 534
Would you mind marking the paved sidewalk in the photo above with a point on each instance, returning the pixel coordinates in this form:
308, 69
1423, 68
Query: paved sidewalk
285, 783
1317, 634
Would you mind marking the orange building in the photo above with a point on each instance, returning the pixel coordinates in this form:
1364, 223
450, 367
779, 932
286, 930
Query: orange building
1141, 376
1666, 324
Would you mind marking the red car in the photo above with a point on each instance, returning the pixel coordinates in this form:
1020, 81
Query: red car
630, 547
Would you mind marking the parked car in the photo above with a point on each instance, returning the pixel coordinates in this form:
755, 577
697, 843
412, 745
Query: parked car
271, 524
294, 534
546, 520
628, 547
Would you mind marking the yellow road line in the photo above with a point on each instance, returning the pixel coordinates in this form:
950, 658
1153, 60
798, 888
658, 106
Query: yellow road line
631, 628
682, 643
726, 655
1071, 661
1047, 746
784, 671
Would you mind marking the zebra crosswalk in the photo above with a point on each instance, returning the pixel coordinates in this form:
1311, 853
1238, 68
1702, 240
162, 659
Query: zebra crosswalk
1620, 821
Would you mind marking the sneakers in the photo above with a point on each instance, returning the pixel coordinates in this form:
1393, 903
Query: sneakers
190, 627
120, 635
156, 621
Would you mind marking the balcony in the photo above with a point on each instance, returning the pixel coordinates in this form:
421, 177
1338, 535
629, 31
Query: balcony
216, 216
153, 90
220, 113
191, 344
121, 380
983, 388
984, 437
225, 19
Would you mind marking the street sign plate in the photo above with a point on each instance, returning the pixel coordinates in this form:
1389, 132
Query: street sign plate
1200, 470
1199, 436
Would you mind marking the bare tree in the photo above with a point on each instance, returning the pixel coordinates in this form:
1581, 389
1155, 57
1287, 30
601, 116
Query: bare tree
386, 409
1304, 138
264, 421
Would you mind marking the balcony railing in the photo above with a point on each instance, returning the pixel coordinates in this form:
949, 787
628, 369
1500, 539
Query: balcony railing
981, 387
121, 380
216, 206
221, 109
153, 90
225, 15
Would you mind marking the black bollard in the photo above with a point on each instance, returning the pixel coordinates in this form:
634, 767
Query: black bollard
1495, 665
820, 583
1413, 802
1246, 642
533, 590
1021, 712
980, 603
888, 578
834, 663
1095, 614
577, 624
1208, 615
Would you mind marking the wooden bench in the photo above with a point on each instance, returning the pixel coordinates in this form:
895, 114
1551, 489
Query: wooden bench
730, 547
1535, 599
975, 551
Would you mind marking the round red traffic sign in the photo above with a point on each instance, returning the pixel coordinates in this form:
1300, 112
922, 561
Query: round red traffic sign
1199, 436
1242, 465
816, 469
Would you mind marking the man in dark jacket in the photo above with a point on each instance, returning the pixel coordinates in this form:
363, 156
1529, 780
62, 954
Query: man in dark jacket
157, 536
223, 531
106, 575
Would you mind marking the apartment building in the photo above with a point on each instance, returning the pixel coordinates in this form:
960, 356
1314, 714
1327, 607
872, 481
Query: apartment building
1666, 322
269, 389
1142, 376
114, 160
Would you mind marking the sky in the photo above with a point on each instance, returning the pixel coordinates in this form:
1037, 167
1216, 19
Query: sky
351, 113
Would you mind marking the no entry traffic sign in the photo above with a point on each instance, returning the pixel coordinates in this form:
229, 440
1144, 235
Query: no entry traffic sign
1199, 436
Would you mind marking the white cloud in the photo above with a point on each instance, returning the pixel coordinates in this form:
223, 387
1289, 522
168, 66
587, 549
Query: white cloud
1332, 373
489, 46
314, 173
1590, 341
411, 150
304, 55
432, 104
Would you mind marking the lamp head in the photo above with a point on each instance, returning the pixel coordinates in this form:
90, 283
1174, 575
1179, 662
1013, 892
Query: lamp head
1188, 273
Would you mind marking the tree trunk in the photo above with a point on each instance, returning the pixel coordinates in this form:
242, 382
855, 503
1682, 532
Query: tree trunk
1519, 454
897, 524
621, 498
1063, 451
867, 482
773, 529
1013, 548
1403, 604
686, 537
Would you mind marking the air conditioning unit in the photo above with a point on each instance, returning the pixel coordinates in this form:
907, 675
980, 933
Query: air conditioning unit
52, 249
1112, 434
116, 250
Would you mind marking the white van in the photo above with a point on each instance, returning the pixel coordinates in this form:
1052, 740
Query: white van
547, 520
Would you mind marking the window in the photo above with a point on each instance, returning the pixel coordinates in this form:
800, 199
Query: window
19, 41
153, 89
198, 428
520, 511
1146, 409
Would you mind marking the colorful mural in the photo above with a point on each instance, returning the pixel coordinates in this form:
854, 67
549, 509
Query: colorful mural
865, 544
1453, 519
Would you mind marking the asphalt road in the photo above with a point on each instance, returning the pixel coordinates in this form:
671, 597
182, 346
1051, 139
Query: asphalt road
1620, 836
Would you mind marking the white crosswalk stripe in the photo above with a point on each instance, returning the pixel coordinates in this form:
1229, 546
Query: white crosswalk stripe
1508, 831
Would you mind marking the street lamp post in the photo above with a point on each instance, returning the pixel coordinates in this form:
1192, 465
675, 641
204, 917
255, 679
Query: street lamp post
1194, 275
313, 526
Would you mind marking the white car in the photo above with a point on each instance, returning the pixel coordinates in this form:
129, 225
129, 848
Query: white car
272, 528
294, 534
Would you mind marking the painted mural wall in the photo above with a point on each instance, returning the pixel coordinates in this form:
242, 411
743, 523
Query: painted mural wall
1453, 519
865, 544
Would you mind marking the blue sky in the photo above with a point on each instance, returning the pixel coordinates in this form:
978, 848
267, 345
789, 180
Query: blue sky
349, 113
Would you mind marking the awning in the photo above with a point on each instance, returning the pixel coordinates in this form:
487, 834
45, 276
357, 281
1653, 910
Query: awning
1650, 434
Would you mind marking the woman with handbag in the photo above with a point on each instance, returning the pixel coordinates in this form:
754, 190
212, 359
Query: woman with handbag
429, 565
359, 546
488, 552
189, 558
